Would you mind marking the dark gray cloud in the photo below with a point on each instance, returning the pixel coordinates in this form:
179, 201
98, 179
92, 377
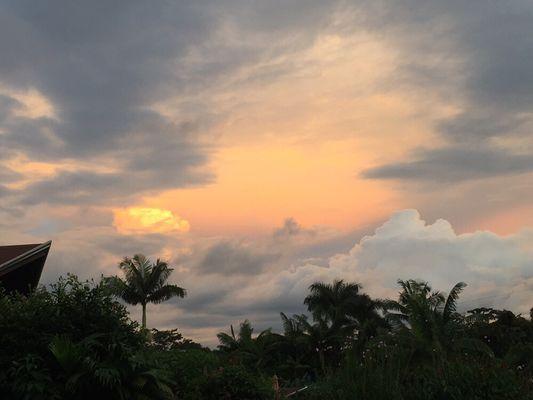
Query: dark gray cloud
90, 252
233, 258
121, 246
101, 65
290, 227
204, 301
7, 106
480, 54
153, 167
455, 164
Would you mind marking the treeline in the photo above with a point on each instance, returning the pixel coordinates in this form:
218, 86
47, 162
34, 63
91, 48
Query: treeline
74, 340
350, 346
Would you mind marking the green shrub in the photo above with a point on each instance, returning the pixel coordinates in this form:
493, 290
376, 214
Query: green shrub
466, 380
187, 368
388, 374
74, 342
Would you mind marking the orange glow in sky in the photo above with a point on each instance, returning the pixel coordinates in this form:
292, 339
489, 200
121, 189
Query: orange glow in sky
259, 186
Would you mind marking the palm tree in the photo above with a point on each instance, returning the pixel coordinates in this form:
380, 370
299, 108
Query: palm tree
430, 316
419, 305
255, 351
293, 327
332, 302
231, 342
342, 305
341, 313
319, 339
145, 282
322, 338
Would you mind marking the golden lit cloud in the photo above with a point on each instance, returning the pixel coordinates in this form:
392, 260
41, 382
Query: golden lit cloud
33, 104
137, 220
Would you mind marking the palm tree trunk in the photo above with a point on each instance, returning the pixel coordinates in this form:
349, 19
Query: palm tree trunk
144, 316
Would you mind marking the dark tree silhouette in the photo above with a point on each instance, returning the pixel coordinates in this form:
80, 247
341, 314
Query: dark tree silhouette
144, 282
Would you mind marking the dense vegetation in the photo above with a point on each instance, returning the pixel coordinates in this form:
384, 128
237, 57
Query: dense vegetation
74, 340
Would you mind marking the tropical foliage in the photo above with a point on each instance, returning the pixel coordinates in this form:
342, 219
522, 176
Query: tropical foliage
416, 347
145, 282
74, 340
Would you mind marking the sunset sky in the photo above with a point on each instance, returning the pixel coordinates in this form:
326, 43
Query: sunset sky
262, 145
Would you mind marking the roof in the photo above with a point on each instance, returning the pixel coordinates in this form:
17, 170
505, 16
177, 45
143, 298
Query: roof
21, 266
9, 252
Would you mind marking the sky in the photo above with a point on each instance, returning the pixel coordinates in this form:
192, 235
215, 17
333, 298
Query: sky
260, 146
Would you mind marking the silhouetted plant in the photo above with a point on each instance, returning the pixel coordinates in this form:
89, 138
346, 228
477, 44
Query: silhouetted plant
144, 282
74, 341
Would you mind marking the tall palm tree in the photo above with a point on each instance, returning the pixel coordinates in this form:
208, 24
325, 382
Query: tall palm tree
297, 354
145, 282
418, 305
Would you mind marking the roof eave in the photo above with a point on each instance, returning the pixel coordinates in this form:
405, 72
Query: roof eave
12, 264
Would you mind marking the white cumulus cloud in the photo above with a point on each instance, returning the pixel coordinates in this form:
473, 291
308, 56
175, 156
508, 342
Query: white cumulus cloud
498, 269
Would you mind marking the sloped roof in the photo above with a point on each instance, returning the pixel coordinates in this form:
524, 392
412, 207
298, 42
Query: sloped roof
9, 252
21, 266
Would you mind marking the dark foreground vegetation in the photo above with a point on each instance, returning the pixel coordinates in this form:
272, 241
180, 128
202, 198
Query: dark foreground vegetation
74, 340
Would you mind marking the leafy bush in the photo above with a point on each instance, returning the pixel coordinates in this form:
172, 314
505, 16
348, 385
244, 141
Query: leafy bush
70, 307
389, 373
73, 342
187, 368
374, 375
464, 380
